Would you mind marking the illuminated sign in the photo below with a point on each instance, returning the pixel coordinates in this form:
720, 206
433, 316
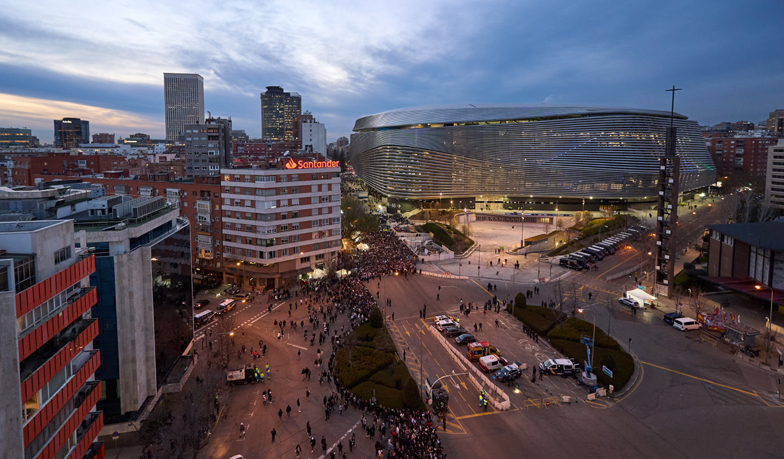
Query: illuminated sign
291, 164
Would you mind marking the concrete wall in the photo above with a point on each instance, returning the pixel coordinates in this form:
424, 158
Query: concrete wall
12, 443
135, 328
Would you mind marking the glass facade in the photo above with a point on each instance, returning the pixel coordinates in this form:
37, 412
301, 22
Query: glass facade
172, 292
71, 132
105, 310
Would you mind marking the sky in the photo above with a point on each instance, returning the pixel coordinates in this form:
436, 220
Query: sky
104, 61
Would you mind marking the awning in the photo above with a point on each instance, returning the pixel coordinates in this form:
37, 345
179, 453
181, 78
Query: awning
363, 247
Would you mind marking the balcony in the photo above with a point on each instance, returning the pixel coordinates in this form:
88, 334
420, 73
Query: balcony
95, 451
84, 426
203, 228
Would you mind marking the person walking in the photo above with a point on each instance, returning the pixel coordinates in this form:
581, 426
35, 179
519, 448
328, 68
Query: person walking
288, 411
274, 432
324, 444
308, 426
312, 443
280, 415
242, 430
307, 395
298, 408
298, 450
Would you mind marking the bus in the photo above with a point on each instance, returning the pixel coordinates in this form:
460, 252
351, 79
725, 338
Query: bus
202, 318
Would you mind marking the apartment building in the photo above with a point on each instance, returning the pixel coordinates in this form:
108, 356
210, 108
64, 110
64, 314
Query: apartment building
280, 223
198, 201
774, 183
47, 357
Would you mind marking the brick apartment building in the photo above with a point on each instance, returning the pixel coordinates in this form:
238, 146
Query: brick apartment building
47, 375
63, 164
199, 200
740, 156
282, 222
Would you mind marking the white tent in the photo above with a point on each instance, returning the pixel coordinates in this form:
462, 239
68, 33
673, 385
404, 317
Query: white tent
363, 247
342, 273
640, 296
318, 273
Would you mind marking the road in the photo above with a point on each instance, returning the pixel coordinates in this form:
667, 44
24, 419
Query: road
691, 398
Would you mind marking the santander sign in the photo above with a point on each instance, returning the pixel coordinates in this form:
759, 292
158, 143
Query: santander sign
291, 164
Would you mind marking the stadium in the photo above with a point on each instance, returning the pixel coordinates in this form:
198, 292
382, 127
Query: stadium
523, 157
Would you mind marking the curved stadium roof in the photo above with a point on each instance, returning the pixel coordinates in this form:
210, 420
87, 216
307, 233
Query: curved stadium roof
478, 113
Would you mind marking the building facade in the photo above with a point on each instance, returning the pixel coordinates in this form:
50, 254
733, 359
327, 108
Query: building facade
184, 102
278, 110
313, 136
26, 167
208, 147
103, 138
198, 200
774, 183
742, 156
71, 132
504, 155
776, 122
49, 358
280, 223
10, 137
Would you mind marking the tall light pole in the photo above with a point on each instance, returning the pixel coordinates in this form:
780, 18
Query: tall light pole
770, 323
593, 339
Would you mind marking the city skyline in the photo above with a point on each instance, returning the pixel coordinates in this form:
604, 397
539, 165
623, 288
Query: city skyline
392, 56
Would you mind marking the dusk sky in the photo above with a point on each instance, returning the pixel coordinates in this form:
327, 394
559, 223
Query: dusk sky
104, 61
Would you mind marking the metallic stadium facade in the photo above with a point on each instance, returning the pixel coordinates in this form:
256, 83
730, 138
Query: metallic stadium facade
522, 151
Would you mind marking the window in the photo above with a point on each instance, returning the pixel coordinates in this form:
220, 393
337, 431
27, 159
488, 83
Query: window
283, 178
284, 228
295, 238
315, 223
284, 240
62, 255
295, 226
284, 252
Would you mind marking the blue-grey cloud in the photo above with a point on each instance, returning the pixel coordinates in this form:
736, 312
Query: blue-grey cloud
350, 59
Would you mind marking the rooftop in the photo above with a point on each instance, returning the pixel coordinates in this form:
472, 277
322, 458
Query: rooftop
764, 235
24, 227
472, 113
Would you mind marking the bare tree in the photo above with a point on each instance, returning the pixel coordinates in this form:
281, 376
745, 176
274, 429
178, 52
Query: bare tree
560, 223
697, 301
767, 342
573, 300
225, 343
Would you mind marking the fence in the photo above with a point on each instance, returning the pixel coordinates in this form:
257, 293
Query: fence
444, 276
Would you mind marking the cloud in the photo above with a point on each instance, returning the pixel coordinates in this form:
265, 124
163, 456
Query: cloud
38, 114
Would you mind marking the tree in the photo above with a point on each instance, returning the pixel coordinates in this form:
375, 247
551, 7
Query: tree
578, 218
225, 342
342, 161
376, 319
767, 342
697, 301
411, 394
609, 301
355, 217
560, 223
520, 301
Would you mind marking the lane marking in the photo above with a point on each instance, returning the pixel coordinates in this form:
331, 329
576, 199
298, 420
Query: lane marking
300, 347
753, 394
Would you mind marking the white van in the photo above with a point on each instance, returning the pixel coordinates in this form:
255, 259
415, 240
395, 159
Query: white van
686, 323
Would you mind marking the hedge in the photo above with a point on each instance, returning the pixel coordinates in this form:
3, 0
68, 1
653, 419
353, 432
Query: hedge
539, 319
618, 361
365, 362
393, 377
385, 396
573, 329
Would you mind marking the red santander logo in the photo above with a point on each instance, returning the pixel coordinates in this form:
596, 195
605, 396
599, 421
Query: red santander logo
290, 164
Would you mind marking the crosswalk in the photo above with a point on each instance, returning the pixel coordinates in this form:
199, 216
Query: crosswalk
250, 321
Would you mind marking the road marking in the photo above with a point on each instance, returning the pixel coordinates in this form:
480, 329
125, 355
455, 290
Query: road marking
753, 394
300, 347
486, 413
335, 445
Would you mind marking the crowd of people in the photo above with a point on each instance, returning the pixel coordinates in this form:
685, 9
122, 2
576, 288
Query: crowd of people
402, 433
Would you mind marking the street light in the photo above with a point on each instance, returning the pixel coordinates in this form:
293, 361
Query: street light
593, 340
770, 322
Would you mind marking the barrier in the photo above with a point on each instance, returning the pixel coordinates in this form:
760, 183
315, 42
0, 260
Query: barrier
443, 276
532, 402
625, 272
492, 392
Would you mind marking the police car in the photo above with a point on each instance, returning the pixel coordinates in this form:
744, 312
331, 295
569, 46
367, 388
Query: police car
511, 371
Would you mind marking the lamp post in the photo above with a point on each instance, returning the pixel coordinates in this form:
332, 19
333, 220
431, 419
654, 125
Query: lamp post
770, 323
593, 339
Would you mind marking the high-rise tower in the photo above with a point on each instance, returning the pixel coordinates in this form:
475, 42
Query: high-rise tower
278, 112
184, 98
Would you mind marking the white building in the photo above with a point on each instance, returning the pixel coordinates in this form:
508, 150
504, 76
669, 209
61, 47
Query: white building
314, 136
774, 181
280, 223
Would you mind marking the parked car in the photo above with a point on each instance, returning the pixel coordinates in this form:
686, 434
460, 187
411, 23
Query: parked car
628, 302
563, 367
670, 317
686, 324
455, 331
465, 338
491, 363
444, 324
201, 303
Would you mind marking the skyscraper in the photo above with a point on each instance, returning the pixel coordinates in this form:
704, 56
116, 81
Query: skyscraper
278, 110
184, 98
71, 132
